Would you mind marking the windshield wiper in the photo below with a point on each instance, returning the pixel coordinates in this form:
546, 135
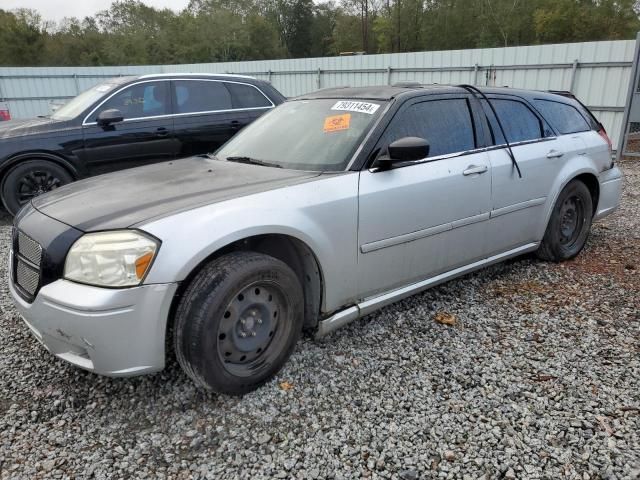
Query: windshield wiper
252, 161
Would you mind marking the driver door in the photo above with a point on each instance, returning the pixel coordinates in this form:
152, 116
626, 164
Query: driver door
146, 135
430, 216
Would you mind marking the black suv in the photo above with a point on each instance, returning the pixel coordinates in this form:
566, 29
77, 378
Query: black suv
126, 122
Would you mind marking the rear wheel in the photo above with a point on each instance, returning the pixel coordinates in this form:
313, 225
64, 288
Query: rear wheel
29, 179
238, 322
569, 224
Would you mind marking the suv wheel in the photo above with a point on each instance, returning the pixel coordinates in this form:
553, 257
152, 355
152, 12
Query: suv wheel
238, 322
569, 224
29, 179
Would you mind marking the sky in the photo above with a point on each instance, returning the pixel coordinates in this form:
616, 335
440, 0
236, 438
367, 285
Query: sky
58, 9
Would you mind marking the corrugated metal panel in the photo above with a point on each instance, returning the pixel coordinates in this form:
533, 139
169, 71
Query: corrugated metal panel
600, 79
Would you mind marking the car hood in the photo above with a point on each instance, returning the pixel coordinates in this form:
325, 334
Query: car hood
130, 197
18, 128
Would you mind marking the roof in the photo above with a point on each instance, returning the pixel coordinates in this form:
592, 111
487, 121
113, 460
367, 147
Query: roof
198, 75
386, 92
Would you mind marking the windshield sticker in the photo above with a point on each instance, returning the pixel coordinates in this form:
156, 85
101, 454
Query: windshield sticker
336, 123
362, 107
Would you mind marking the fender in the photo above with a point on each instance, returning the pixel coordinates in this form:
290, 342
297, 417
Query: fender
323, 217
576, 166
63, 162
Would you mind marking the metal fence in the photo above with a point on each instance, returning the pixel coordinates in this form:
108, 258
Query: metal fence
597, 72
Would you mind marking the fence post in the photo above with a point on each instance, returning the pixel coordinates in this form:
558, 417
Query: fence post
269, 75
318, 78
633, 87
1, 92
574, 71
388, 75
475, 74
77, 83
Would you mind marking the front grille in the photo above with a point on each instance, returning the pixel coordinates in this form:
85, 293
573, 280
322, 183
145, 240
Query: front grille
27, 277
29, 249
27, 260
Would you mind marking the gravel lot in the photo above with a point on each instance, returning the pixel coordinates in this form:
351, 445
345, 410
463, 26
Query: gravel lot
538, 378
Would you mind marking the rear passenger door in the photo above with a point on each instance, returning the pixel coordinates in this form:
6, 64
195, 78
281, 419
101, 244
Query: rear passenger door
426, 217
518, 204
210, 112
203, 115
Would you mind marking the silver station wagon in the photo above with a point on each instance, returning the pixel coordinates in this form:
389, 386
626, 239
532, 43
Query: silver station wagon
325, 209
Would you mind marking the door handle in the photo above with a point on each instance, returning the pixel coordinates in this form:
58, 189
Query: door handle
474, 170
555, 154
162, 132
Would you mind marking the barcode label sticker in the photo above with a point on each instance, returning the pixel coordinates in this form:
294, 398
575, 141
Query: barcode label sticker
351, 106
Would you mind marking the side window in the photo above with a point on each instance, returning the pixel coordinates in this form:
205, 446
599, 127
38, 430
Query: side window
564, 118
246, 96
143, 100
519, 122
445, 124
194, 96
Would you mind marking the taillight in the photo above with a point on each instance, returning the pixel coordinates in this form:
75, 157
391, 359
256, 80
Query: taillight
603, 133
5, 115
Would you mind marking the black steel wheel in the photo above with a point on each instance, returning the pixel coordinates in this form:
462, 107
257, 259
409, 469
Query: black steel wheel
29, 179
238, 322
569, 225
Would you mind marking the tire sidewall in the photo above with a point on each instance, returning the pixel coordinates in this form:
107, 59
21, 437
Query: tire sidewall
552, 236
200, 321
9, 182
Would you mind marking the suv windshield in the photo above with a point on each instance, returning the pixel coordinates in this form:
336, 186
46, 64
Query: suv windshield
318, 135
79, 104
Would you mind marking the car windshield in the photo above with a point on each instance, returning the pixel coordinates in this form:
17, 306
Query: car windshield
79, 104
317, 135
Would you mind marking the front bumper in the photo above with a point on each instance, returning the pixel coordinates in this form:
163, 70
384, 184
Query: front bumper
114, 332
610, 191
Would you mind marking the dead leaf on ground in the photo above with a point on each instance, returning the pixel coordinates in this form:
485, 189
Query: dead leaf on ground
445, 318
286, 386
604, 425
543, 378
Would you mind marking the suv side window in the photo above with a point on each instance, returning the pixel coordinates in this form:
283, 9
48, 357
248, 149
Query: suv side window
193, 96
445, 124
149, 99
565, 118
247, 96
519, 122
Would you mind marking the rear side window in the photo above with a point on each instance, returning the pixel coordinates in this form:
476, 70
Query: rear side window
445, 124
193, 96
564, 118
519, 122
246, 96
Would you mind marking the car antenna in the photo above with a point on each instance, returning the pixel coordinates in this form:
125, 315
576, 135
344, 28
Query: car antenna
473, 89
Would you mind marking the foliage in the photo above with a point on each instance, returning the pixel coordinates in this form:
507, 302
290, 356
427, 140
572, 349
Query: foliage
130, 32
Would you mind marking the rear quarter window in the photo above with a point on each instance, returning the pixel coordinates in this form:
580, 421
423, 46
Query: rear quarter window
563, 117
247, 96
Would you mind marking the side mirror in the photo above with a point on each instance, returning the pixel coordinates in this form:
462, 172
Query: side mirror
107, 117
406, 149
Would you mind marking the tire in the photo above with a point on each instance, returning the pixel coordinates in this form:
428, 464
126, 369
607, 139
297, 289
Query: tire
29, 179
569, 225
238, 322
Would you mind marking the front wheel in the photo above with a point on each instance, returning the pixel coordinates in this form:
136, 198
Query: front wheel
29, 179
569, 224
238, 322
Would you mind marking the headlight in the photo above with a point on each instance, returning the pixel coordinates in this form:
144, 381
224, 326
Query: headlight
110, 259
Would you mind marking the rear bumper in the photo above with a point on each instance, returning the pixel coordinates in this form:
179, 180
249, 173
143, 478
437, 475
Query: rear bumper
114, 332
610, 191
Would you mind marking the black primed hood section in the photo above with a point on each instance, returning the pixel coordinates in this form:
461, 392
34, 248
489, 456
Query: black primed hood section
19, 128
129, 197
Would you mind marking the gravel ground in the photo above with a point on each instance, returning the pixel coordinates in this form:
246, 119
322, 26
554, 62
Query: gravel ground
539, 377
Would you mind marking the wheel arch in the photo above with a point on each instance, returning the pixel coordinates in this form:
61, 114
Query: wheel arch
12, 161
287, 248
